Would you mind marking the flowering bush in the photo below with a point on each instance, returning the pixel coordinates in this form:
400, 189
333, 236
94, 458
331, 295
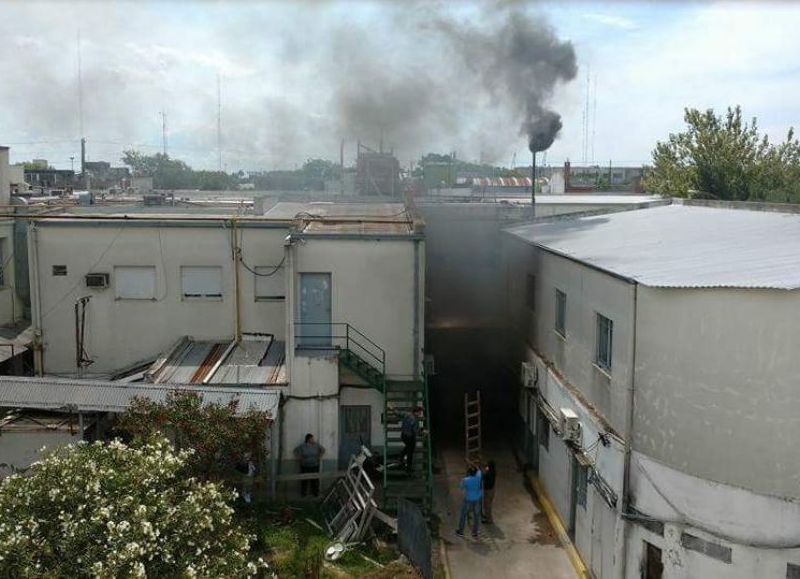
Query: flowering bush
95, 510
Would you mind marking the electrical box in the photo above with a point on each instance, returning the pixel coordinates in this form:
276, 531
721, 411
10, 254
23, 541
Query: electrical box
570, 426
97, 280
528, 375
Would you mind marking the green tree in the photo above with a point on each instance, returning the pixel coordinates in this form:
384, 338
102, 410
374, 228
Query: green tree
217, 436
95, 510
723, 157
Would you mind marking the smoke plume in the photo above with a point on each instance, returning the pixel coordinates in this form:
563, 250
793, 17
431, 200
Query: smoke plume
525, 60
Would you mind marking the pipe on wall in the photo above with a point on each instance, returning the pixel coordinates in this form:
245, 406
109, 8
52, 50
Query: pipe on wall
626, 478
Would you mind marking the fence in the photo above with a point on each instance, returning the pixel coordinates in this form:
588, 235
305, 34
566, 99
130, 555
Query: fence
414, 537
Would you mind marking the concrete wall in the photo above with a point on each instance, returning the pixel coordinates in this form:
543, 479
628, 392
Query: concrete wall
373, 289
720, 366
10, 306
598, 527
588, 292
122, 332
21, 449
5, 177
761, 532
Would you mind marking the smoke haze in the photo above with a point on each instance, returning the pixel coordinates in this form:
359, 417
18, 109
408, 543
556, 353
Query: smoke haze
295, 80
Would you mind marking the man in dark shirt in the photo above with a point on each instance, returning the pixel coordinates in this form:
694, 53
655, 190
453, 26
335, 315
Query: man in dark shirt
308, 455
409, 430
489, 476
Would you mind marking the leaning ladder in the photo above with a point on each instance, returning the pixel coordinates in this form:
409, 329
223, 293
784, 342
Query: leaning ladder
472, 427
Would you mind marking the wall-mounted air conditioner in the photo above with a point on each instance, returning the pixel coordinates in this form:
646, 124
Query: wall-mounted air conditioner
529, 375
570, 426
97, 280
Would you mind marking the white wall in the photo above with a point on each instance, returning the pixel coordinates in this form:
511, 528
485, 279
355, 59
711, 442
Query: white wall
373, 290
759, 530
5, 177
588, 292
717, 385
10, 307
21, 449
123, 332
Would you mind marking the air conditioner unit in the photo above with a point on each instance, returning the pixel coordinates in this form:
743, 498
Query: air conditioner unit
529, 375
97, 280
570, 426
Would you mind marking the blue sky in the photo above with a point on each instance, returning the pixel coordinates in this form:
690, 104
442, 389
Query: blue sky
283, 65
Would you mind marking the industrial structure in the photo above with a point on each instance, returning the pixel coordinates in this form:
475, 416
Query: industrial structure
657, 355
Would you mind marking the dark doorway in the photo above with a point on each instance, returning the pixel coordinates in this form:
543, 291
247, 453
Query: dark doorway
653, 565
354, 430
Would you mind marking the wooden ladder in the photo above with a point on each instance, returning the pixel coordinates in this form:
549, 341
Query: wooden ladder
472, 427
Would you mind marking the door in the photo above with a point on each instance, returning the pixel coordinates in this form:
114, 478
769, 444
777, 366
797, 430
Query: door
314, 328
653, 564
354, 430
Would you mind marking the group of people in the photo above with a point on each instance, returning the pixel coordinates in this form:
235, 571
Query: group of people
478, 488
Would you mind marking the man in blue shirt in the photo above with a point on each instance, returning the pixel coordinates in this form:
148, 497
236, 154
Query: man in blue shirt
473, 493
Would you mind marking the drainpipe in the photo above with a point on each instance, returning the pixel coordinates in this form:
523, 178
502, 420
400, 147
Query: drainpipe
237, 258
288, 248
626, 480
416, 371
36, 299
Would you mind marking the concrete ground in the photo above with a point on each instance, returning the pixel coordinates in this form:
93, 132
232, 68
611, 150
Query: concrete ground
521, 543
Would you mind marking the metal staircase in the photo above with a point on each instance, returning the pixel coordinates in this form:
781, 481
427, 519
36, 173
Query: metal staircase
367, 360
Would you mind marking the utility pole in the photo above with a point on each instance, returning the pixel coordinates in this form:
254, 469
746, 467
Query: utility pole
219, 122
164, 131
80, 89
72, 163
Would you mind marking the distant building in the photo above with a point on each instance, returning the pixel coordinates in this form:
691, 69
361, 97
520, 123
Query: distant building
48, 178
378, 173
101, 175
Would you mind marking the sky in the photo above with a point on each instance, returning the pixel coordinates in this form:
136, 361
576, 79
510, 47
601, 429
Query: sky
295, 79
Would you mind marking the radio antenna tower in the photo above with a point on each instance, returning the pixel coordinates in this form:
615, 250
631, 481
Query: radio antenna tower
80, 88
219, 122
164, 131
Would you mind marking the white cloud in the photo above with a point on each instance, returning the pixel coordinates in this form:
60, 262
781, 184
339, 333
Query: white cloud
611, 20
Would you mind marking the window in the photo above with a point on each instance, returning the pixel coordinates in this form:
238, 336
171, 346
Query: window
201, 282
653, 564
59, 270
270, 282
543, 430
561, 313
135, 282
792, 571
605, 336
581, 485
530, 292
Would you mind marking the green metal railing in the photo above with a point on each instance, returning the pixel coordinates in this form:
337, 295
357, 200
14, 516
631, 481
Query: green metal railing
339, 336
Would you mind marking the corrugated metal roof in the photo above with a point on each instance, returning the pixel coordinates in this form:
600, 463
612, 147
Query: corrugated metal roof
256, 360
96, 396
681, 246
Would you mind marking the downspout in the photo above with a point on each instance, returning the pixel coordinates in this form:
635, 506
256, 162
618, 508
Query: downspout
36, 299
289, 313
416, 373
237, 258
626, 480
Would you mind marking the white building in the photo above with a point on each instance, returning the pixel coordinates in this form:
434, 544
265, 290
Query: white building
336, 289
670, 336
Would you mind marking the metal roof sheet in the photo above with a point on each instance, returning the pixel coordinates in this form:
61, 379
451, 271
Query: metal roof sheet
97, 396
680, 246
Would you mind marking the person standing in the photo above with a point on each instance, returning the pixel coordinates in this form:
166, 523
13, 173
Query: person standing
409, 430
489, 476
471, 485
309, 454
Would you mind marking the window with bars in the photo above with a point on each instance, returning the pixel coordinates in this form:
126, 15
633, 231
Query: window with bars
605, 340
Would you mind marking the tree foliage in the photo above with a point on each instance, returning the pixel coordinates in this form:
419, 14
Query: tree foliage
216, 435
169, 173
95, 510
724, 157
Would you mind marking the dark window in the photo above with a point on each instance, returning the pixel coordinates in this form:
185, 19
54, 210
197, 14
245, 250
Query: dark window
530, 292
792, 571
543, 430
653, 564
605, 340
581, 485
59, 270
561, 312
3, 263
713, 550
